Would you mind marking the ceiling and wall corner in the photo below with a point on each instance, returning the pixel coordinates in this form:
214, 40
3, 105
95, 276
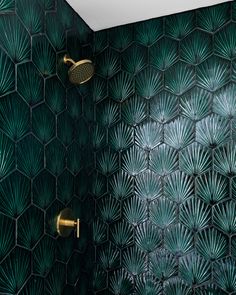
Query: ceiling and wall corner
105, 14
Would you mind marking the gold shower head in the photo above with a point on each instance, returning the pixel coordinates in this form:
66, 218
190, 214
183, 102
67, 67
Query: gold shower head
81, 71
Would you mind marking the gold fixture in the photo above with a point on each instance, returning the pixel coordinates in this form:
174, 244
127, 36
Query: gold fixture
66, 223
81, 71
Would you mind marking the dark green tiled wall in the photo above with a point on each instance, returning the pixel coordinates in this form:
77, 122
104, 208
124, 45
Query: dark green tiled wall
43, 147
164, 137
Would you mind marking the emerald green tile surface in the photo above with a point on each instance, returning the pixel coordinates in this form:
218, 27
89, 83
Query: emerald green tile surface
144, 153
41, 150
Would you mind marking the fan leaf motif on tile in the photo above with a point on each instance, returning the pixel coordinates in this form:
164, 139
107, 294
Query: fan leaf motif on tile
99, 185
7, 240
108, 63
7, 155
163, 54
194, 214
7, 70
44, 189
43, 256
146, 33
147, 285
225, 42
107, 162
121, 37
194, 270
195, 159
133, 261
55, 157
32, 17
224, 101
121, 282
179, 133
120, 137
134, 211
30, 227
180, 25
163, 264
65, 14
224, 274
55, 95
15, 122
74, 103
121, 185
122, 234
212, 187
99, 231
100, 91
32, 92
107, 113
176, 286
196, 47
99, 278
30, 156
224, 217
178, 239
15, 40
14, 270
212, 131
163, 212
180, 78
148, 237
134, 58
134, 161
108, 256
134, 110
163, 160
65, 186
121, 86
7, 5
43, 123
34, 286
148, 185
178, 187
209, 290
55, 32
44, 56
164, 107
213, 73
65, 128
195, 104
211, 244
64, 248
148, 82
109, 209
225, 159
56, 279
100, 41
212, 18
148, 135
15, 203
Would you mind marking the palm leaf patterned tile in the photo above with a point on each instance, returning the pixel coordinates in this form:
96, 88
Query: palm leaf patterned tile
41, 156
144, 153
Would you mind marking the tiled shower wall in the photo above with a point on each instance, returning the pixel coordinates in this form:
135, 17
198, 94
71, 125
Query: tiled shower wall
165, 154
43, 147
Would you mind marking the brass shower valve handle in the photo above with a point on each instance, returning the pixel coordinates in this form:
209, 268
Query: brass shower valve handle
65, 223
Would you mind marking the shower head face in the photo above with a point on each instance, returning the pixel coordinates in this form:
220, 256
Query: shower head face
81, 71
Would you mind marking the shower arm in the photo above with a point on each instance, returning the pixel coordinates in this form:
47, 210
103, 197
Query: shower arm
68, 60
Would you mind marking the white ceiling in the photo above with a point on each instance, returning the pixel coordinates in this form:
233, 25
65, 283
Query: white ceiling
102, 14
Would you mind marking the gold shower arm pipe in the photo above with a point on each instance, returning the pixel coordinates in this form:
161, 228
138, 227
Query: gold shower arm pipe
67, 60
